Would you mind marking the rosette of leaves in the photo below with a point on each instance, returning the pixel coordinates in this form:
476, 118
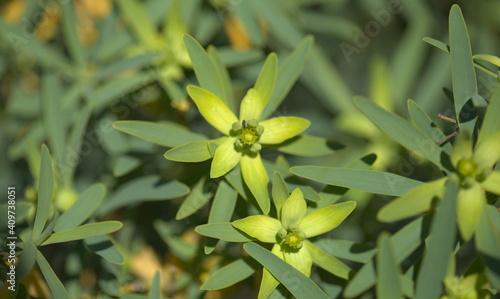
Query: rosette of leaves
49, 228
470, 171
244, 137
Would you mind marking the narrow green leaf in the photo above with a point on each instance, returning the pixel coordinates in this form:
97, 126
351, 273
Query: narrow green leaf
231, 57
196, 151
463, 73
267, 78
223, 75
347, 250
230, 274
104, 247
155, 289
288, 73
424, 123
307, 146
488, 245
405, 241
140, 22
70, 33
366, 180
438, 44
388, 270
439, 246
45, 193
125, 164
56, 287
27, 260
221, 210
495, 60
115, 88
74, 142
327, 261
235, 179
196, 199
53, 119
223, 231
297, 283
47, 231
86, 204
292, 182
322, 77
83, 231
400, 131
280, 192
417, 200
205, 69
146, 188
491, 122
124, 64
167, 134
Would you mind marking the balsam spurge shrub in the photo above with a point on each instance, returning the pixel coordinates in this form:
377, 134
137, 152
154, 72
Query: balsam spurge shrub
249, 149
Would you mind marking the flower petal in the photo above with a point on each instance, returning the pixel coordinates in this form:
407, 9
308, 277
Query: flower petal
225, 158
263, 228
326, 219
470, 205
492, 183
488, 151
213, 109
462, 149
279, 129
256, 179
251, 106
269, 282
327, 261
293, 210
300, 259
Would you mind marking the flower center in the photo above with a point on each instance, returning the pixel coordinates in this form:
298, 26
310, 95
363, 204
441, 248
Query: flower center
466, 168
294, 239
247, 133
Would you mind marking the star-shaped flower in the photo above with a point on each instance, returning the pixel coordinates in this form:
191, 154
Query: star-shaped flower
290, 231
474, 169
244, 136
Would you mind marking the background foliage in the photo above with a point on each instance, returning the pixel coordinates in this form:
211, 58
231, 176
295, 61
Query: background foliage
103, 214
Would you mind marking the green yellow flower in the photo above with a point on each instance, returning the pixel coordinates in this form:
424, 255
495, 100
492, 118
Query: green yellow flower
244, 136
474, 169
290, 231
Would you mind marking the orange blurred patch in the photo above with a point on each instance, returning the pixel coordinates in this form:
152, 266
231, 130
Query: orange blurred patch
97, 9
237, 33
48, 23
36, 285
12, 11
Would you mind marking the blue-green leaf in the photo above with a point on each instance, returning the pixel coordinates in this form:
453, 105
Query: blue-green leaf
55, 285
439, 246
167, 134
146, 188
83, 231
297, 283
45, 193
86, 204
367, 180
230, 274
104, 247
463, 73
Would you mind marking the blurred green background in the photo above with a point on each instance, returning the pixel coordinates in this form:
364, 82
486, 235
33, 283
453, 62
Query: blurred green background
125, 60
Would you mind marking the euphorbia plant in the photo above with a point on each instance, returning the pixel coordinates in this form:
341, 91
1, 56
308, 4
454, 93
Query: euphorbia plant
289, 231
